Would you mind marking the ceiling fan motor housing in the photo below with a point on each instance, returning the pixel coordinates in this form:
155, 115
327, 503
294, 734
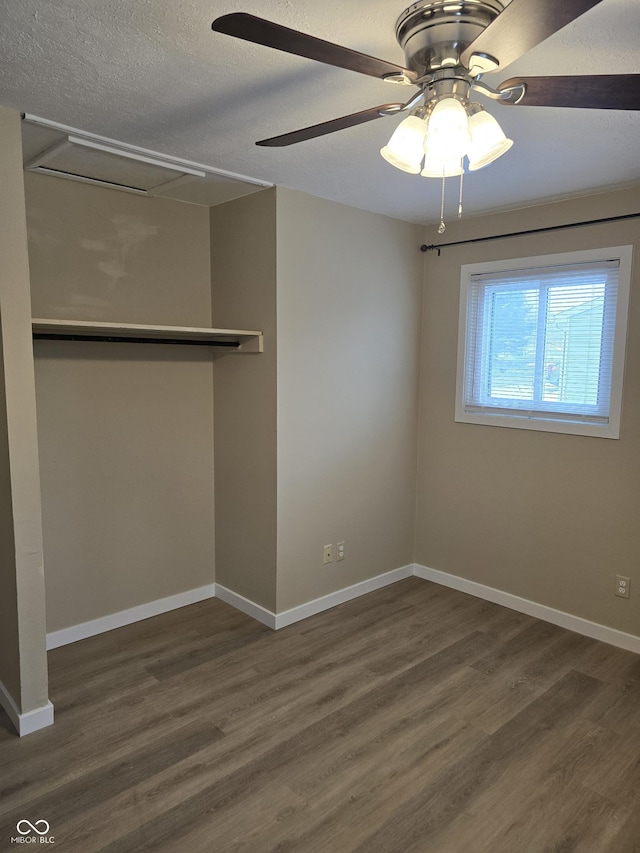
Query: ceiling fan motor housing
434, 34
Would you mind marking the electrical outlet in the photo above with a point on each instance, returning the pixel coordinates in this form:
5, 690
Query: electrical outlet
622, 586
340, 554
327, 554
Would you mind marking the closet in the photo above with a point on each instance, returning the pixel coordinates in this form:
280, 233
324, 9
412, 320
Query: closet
124, 351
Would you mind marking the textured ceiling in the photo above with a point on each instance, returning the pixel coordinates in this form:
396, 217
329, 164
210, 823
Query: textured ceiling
152, 73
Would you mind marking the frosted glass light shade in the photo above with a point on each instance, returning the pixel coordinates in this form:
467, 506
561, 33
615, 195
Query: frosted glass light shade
488, 141
448, 135
441, 168
405, 149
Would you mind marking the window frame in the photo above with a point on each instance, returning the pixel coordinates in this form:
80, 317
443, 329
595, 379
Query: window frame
551, 421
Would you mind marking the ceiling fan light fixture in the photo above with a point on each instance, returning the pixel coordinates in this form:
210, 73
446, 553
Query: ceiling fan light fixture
405, 149
488, 141
448, 132
442, 168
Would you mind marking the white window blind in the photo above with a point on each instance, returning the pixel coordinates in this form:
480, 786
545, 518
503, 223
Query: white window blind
540, 343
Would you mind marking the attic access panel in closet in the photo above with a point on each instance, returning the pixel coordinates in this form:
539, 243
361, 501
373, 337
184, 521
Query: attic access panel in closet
238, 340
86, 160
66, 152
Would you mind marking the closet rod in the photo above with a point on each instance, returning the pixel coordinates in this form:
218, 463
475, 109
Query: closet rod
114, 339
622, 217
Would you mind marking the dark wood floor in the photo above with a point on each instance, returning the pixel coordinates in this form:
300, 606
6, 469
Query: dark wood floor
414, 719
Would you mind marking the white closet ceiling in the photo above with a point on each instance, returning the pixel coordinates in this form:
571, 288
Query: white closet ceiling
151, 73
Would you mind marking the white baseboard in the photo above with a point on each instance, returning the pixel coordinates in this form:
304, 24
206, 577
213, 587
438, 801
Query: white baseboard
245, 605
310, 608
126, 617
622, 640
595, 630
326, 602
30, 721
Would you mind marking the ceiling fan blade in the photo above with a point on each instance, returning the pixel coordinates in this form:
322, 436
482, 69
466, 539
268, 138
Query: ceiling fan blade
602, 92
259, 31
522, 25
330, 126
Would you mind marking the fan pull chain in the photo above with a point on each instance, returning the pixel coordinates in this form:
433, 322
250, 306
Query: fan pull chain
442, 227
460, 197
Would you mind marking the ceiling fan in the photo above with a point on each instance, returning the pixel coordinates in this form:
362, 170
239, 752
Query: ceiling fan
449, 42
448, 45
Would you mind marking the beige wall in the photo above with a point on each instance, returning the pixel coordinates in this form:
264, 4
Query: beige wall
125, 430
9, 636
100, 254
243, 267
548, 517
348, 331
23, 663
335, 461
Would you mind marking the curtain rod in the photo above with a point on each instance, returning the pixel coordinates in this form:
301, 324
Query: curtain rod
438, 247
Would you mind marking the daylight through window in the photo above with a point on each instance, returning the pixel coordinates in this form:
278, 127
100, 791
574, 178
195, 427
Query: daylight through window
544, 344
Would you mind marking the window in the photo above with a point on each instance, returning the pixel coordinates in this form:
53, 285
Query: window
542, 342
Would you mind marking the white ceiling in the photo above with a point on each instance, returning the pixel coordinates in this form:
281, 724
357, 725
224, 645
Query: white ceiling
151, 73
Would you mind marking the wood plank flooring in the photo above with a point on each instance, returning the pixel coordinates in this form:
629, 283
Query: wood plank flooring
415, 719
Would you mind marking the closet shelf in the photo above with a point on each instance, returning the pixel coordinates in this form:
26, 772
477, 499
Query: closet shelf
239, 340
